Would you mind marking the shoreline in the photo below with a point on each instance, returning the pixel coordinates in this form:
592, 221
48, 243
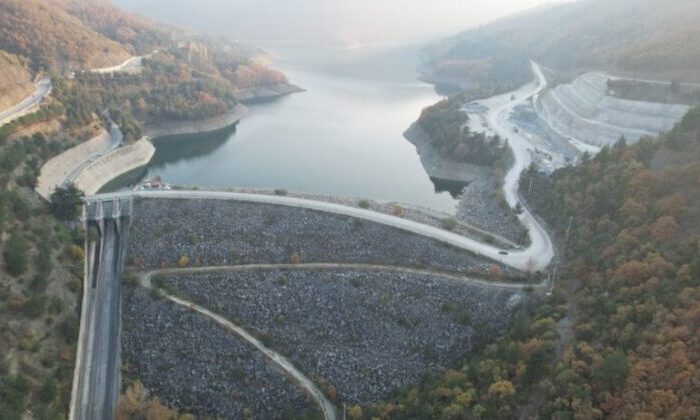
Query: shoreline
184, 128
103, 169
158, 131
265, 93
438, 167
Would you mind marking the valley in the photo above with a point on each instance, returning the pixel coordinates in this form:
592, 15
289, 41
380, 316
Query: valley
500, 224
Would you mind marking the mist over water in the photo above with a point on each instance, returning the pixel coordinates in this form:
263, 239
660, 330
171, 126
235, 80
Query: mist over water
329, 22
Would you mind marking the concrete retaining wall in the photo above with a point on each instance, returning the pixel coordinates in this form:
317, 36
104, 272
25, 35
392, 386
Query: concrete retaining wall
56, 170
181, 128
114, 164
585, 111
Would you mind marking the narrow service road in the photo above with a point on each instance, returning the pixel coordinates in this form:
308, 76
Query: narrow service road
98, 378
43, 89
307, 384
541, 251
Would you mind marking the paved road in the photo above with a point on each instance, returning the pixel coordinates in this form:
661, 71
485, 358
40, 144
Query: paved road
349, 266
133, 64
43, 89
97, 391
117, 139
533, 258
541, 251
307, 384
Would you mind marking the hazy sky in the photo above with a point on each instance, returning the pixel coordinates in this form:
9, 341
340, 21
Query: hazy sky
330, 21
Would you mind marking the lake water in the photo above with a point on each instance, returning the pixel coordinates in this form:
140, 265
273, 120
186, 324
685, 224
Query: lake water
343, 136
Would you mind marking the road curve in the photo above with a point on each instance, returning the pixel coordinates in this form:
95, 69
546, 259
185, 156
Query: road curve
521, 260
43, 89
281, 361
117, 138
541, 251
132, 64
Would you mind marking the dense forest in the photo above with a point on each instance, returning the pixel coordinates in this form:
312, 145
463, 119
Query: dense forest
139, 35
619, 338
39, 286
183, 77
176, 84
446, 125
52, 39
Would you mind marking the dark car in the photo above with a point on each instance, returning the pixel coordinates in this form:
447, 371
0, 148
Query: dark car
503, 252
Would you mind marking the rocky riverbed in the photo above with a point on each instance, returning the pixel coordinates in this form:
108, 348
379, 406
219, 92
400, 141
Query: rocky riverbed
217, 232
366, 333
193, 364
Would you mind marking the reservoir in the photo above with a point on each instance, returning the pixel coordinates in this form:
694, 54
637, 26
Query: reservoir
343, 136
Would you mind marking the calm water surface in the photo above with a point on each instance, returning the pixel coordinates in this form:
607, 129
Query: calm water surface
343, 136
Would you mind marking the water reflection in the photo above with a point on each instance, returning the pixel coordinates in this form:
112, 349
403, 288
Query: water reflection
455, 188
174, 149
343, 136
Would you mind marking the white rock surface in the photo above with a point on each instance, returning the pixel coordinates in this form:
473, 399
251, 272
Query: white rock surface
584, 110
114, 164
56, 170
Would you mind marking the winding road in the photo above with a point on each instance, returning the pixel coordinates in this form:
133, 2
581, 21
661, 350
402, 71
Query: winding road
43, 89
541, 251
133, 64
281, 361
117, 138
302, 380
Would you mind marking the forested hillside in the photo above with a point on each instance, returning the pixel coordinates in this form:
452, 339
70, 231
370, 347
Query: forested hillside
650, 38
137, 34
41, 245
52, 39
15, 80
620, 336
446, 125
184, 77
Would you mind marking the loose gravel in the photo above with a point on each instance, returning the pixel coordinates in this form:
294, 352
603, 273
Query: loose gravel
193, 364
217, 232
367, 333
478, 207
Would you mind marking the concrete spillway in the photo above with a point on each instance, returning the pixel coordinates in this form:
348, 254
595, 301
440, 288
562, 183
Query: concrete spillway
585, 111
96, 383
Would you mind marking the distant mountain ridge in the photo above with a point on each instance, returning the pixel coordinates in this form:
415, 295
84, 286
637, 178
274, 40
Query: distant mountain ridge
178, 74
657, 39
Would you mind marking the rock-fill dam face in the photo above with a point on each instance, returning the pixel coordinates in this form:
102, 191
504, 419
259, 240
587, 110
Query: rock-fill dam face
585, 110
358, 330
